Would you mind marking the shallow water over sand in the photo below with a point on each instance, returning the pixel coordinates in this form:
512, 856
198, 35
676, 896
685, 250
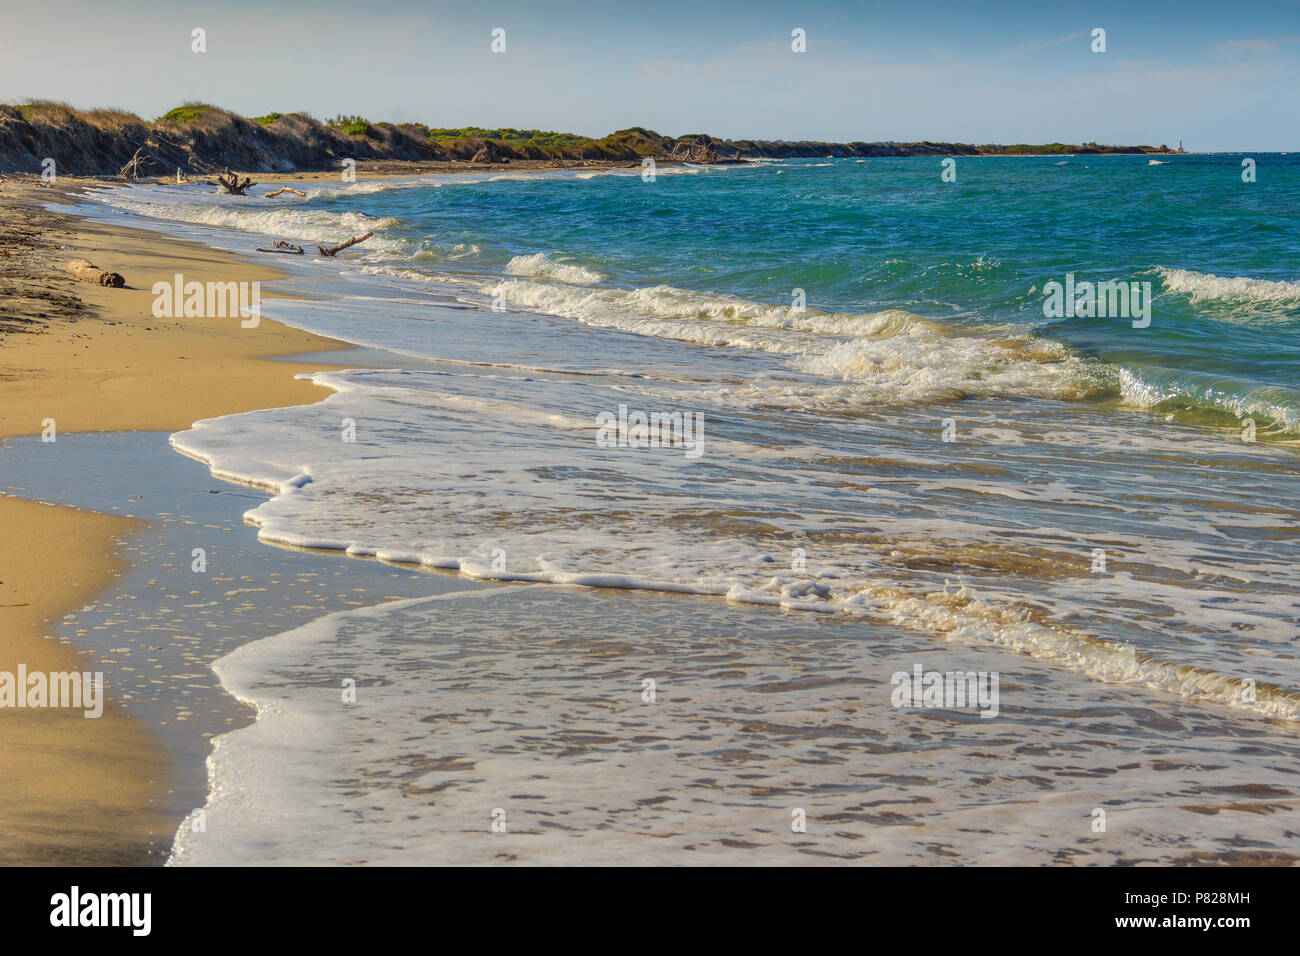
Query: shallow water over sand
528, 707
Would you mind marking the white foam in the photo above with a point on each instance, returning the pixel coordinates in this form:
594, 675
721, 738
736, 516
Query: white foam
542, 265
1207, 287
254, 215
928, 367
890, 356
568, 511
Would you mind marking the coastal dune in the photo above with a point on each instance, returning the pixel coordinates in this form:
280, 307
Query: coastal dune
201, 136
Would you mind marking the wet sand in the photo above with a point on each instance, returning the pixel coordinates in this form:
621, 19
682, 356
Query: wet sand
79, 791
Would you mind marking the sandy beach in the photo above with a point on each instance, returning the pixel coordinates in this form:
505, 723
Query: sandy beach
78, 791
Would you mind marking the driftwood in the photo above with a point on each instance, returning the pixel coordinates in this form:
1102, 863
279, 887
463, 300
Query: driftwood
694, 153
284, 189
339, 248
133, 167
490, 152
284, 247
84, 271
231, 184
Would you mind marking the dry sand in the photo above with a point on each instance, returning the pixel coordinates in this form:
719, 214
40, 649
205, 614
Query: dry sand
76, 790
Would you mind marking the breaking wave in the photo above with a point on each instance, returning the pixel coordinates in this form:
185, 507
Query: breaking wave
1207, 287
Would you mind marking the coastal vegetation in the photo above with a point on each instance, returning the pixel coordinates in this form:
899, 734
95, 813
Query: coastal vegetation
201, 138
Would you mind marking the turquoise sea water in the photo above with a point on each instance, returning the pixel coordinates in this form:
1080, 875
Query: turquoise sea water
1222, 255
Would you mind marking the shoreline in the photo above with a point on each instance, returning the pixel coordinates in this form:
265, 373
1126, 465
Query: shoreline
401, 168
94, 359
188, 389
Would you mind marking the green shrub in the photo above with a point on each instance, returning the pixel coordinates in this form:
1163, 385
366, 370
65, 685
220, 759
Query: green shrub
188, 113
352, 125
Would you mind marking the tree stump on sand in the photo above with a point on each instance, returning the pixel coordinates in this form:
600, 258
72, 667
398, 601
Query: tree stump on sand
84, 271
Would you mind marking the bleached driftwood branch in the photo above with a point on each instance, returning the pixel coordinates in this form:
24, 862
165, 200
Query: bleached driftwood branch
132, 168
284, 189
339, 248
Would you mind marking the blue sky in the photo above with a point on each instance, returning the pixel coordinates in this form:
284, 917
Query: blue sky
1218, 76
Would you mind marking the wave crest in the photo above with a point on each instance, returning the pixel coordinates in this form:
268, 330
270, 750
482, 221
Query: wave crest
543, 266
1207, 287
